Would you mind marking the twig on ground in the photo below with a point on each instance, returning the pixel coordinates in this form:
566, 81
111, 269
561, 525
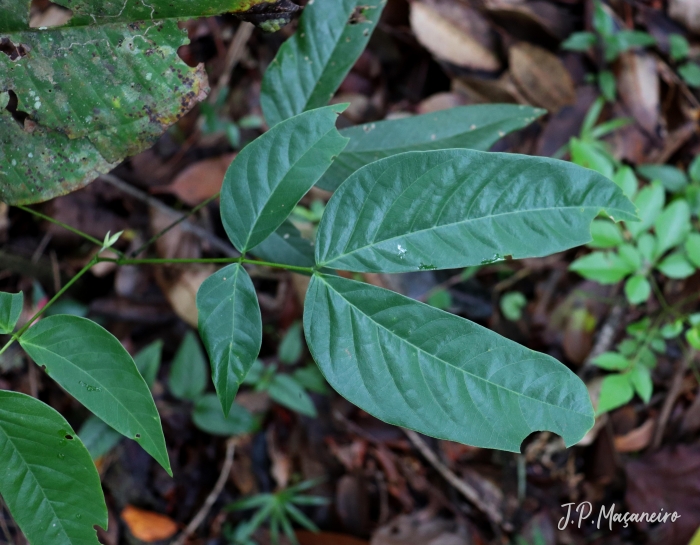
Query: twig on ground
233, 57
213, 495
671, 397
216, 243
460, 485
606, 337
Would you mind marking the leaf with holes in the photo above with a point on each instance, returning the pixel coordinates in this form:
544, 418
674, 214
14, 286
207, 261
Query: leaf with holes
48, 479
471, 127
456, 208
93, 366
231, 328
75, 100
311, 65
271, 175
415, 366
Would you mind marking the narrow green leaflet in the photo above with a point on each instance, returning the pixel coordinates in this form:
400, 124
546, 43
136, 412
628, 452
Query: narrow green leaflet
48, 479
148, 361
285, 390
457, 208
311, 65
672, 226
287, 246
231, 328
416, 366
188, 373
98, 437
472, 127
269, 177
93, 366
99, 89
10, 310
207, 416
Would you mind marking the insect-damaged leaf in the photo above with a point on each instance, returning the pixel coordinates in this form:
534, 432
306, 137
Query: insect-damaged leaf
415, 366
75, 100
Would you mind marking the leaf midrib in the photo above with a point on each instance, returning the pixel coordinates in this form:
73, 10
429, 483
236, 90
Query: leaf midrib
466, 221
417, 348
105, 389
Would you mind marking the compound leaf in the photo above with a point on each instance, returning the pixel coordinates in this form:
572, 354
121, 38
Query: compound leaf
99, 89
415, 366
48, 480
457, 208
311, 65
93, 366
471, 127
231, 328
269, 177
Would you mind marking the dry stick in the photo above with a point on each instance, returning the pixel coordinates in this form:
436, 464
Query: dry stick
460, 485
233, 57
213, 495
671, 396
218, 244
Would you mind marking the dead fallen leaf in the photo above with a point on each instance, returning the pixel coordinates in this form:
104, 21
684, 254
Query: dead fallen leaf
180, 286
532, 21
328, 538
686, 12
638, 85
52, 16
147, 525
637, 439
416, 530
199, 181
440, 101
541, 77
454, 33
668, 479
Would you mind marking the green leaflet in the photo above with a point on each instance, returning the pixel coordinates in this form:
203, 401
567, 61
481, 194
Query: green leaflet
148, 361
311, 65
285, 390
287, 246
269, 177
231, 328
98, 437
207, 416
414, 366
472, 127
93, 366
98, 89
188, 373
48, 479
10, 309
457, 208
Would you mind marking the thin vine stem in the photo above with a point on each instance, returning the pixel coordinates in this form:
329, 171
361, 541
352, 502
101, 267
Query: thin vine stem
38, 314
67, 228
187, 215
212, 260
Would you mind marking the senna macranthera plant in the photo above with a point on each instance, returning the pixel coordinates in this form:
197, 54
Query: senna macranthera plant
410, 195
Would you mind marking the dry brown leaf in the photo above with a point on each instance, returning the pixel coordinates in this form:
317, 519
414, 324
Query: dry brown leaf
454, 33
52, 16
440, 101
531, 21
638, 85
541, 77
180, 286
686, 12
415, 530
637, 439
147, 525
199, 181
328, 538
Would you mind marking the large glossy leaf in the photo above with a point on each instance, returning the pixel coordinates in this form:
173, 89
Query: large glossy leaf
93, 366
269, 177
231, 328
311, 65
472, 127
47, 479
415, 366
457, 208
10, 310
287, 246
99, 89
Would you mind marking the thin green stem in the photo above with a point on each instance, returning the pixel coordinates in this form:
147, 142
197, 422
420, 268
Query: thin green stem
67, 227
155, 237
219, 260
48, 305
